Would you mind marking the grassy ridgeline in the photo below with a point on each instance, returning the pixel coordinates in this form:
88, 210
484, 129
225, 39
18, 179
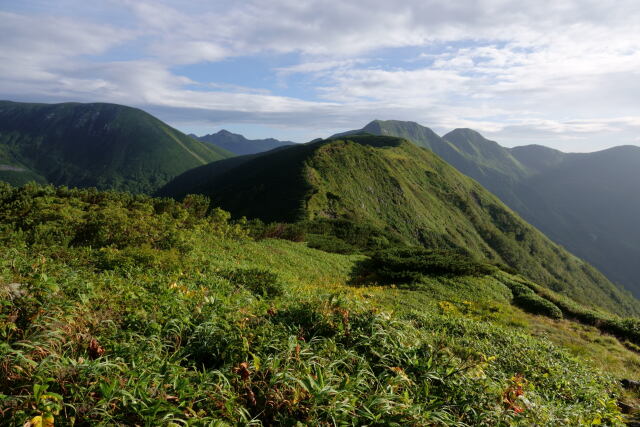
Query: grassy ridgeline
132, 310
581, 200
403, 190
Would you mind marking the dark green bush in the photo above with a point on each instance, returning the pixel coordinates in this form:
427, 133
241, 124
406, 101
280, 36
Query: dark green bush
144, 256
259, 282
518, 289
535, 304
331, 244
279, 230
330, 235
623, 328
506, 268
410, 265
628, 328
196, 204
363, 236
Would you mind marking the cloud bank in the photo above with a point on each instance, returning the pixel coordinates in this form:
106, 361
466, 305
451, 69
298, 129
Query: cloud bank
559, 73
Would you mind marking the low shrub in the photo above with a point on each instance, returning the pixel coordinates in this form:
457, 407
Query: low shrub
331, 244
410, 265
518, 289
259, 282
196, 204
628, 328
213, 344
535, 304
144, 256
506, 268
362, 236
622, 328
46, 216
279, 230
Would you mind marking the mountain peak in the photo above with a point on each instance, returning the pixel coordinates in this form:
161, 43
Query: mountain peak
466, 132
238, 144
385, 124
102, 145
468, 135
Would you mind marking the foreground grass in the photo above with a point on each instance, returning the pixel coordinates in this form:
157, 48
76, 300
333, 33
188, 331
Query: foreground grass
217, 329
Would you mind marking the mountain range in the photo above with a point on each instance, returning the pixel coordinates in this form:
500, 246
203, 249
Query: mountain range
587, 202
377, 277
99, 145
583, 202
395, 186
238, 144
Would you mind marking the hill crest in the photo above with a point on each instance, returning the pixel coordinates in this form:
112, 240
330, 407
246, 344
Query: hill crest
101, 145
393, 185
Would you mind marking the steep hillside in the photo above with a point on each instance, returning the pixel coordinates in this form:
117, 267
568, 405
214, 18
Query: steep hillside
466, 150
103, 145
239, 145
585, 202
397, 186
593, 207
485, 153
538, 158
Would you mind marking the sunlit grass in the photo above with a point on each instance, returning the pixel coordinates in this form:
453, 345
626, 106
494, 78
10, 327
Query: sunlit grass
225, 330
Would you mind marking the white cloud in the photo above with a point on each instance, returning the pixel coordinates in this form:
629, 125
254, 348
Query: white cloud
543, 71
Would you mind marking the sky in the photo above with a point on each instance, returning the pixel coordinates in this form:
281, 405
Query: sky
561, 73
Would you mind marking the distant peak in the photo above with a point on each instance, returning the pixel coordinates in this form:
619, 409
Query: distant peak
623, 148
395, 122
466, 132
224, 132
534, 148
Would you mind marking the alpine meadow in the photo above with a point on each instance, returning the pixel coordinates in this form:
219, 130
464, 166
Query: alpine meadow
283, 270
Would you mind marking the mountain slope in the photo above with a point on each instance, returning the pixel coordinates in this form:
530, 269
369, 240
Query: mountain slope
466, 150
489, 154
240, 145
592, 208
107, 146
538, 158
586, 202
393, 184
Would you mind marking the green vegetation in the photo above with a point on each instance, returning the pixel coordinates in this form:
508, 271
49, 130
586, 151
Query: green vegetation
623, 328
534, 304
341, 236
584, 201
406, 194
411, 265
464, 149
124, 309
111, 147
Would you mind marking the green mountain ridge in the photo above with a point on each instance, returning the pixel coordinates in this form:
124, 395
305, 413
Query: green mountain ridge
586, 202
240, 145
107, 146
396, 186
